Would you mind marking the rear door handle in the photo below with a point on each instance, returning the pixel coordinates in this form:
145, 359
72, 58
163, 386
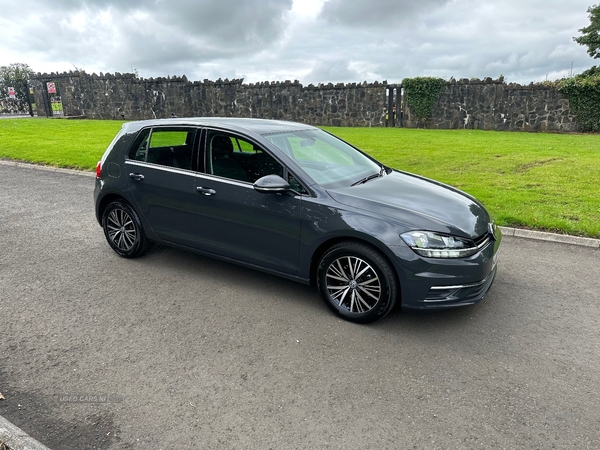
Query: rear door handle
136, 176
206, 191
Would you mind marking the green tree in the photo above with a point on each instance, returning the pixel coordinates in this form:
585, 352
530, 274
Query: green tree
591, 34
15, 75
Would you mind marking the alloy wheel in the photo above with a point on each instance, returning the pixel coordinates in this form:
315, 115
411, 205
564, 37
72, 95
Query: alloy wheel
121, 229
353, 284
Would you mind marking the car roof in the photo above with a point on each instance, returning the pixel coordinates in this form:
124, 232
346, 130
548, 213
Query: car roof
258, 126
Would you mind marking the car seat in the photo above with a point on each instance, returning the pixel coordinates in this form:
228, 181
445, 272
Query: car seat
222, 162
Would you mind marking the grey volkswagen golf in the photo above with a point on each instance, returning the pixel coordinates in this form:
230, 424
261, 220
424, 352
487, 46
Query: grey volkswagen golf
295, 201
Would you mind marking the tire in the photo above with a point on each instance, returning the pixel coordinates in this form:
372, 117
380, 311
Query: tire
123, 230
364, 298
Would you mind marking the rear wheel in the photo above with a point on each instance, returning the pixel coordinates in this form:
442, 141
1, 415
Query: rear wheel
357, 282
123, 230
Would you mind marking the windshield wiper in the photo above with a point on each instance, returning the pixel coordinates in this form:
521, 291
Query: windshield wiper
370, 177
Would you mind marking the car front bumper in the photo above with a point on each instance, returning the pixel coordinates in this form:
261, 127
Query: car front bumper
433, 283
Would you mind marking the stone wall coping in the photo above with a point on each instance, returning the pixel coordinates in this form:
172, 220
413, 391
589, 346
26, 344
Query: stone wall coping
131, 77
240, 81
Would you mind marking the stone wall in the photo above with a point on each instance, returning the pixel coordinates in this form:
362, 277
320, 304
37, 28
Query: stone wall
472, 104
494, 105
9, 106
127, 96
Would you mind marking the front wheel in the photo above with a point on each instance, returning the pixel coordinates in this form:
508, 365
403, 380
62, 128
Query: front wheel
357, 282
123, 230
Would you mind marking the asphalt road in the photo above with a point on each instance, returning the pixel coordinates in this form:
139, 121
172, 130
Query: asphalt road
201, 354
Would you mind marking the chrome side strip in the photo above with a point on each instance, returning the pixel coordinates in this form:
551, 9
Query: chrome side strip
204, 176
462, 286
207, 176
132, 162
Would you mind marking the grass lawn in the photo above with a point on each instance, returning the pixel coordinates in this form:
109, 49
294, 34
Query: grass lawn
537, 180
77, 144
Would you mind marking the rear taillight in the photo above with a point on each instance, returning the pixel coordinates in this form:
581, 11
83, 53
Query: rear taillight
99, 169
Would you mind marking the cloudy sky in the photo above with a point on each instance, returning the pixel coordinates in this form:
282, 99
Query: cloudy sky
311, 41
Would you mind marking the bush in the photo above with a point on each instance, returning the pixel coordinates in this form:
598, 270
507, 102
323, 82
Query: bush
421, 94
583, 91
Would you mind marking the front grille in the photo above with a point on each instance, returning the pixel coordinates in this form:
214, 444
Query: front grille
482, 240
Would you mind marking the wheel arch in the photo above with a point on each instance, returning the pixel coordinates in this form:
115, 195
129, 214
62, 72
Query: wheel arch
108, 199
326, 245
113, 196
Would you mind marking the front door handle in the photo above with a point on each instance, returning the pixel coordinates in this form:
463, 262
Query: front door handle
206, 191
136, 176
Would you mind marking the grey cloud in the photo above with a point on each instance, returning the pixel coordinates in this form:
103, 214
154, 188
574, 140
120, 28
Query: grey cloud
524, 41
375, 13
249, 23
186, 31
352, 40
325, 71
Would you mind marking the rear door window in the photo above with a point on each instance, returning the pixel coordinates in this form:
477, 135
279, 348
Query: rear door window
172, 147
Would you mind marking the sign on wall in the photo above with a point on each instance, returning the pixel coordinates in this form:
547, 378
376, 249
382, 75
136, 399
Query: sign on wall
57, 106
11, 92
51, 87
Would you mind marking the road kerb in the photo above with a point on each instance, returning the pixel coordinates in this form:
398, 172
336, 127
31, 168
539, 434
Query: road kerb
17, 439
6, 162
551, 237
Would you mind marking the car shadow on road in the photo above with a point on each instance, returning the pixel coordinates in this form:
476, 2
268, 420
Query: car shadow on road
282, 290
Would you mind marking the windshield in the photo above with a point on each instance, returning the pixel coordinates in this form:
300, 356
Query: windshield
329, 161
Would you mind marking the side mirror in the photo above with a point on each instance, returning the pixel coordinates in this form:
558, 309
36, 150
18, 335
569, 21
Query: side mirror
271, 183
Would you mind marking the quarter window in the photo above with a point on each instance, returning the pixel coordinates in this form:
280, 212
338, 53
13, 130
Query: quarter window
295, 184
139, 150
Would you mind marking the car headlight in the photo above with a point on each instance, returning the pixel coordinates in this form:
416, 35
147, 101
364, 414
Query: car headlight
437, 245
